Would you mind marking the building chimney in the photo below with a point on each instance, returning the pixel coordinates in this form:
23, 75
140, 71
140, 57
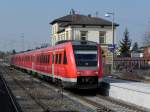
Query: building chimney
72, 12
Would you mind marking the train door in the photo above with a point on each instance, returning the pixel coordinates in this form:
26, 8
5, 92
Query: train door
53, 67
33, 61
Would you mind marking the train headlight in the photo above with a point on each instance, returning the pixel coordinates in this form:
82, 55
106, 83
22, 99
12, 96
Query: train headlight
78, 73
96, 73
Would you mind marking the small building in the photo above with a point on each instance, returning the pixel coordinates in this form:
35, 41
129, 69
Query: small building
146, 51
136, 54
84, 27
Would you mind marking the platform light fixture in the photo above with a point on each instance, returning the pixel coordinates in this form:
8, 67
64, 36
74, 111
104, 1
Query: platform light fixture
112, 14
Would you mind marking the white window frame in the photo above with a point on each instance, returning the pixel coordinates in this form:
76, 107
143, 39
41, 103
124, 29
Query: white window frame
84, 36
102, 37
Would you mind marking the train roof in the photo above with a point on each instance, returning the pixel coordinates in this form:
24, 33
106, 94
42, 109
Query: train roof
77, 42
60, 44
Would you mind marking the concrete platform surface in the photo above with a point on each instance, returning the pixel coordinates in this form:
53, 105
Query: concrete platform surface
133, 92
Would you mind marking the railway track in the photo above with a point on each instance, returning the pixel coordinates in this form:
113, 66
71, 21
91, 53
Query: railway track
100, 103
8, 102
26, 89
39, 91
124, 104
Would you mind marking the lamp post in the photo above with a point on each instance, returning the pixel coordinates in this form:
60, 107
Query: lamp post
112, 14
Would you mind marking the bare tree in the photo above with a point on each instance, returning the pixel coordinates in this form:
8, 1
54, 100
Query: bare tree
146, 39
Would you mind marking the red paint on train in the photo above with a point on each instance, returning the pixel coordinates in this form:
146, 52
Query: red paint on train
73, 63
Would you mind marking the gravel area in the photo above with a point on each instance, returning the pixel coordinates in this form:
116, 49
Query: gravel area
34, 96
7, 101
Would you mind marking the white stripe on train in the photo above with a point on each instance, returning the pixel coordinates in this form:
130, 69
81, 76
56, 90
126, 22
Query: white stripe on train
50, 75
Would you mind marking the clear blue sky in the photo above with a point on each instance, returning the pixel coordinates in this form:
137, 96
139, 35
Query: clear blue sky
32, 18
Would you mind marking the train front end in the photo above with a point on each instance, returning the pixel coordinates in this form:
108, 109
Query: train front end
88, 61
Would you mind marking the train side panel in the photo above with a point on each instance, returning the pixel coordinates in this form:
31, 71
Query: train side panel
74, 64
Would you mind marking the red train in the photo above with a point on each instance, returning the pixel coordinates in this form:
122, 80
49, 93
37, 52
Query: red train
75, 64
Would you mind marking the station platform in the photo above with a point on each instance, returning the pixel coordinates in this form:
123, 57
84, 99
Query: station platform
137, 93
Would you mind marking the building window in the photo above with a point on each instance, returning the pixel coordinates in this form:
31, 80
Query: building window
63, 37
83, 35
67, 35
59, 37
102, 37
55, 29
52, 30
148, 49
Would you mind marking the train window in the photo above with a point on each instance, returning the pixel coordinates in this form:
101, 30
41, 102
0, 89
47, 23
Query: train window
48, 59
53, 58
31, 58
56, 60
86, 58
65, 58
40, 59
60, 58
37, 59
43, 61
43, 58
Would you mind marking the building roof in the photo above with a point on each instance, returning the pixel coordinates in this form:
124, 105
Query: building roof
77, 19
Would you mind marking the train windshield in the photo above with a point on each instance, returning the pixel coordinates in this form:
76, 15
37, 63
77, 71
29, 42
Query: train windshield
86, 57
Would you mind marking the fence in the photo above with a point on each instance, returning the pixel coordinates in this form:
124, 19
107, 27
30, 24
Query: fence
130, 64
